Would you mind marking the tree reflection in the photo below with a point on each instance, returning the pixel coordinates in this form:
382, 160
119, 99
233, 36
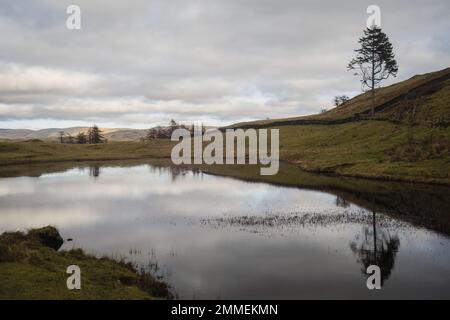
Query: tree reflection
341, 202
94, 171
377, 247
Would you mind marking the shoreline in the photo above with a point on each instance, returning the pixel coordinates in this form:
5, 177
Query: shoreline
18, 153
381, 178
33, 267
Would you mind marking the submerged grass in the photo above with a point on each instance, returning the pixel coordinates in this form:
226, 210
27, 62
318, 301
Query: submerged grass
31, 268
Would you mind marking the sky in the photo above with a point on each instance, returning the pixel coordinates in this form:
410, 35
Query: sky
140, 63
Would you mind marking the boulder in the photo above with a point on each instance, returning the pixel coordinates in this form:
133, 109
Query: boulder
48, 236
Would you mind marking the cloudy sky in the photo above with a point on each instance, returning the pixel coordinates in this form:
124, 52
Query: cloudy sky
139, 63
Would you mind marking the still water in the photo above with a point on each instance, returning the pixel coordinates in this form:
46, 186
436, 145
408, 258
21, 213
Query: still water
215, 236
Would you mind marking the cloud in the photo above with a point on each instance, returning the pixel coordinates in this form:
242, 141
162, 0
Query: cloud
141, 63
19, 79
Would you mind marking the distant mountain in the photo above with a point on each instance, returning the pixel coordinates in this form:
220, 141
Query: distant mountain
112, 134
119, 134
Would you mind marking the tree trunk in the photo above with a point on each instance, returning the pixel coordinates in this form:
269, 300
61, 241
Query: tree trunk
372, 111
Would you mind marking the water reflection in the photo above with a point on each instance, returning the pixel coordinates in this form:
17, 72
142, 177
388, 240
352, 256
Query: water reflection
376, 247
94, 171
212, 236
341, 202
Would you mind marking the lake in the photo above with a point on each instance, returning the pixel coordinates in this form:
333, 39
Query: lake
228, 233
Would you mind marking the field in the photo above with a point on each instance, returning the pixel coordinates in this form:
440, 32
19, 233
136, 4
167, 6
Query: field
37, 151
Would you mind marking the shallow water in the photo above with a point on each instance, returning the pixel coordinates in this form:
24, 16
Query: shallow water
211, 236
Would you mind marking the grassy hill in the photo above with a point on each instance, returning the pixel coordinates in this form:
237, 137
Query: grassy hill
408, 139
423, 99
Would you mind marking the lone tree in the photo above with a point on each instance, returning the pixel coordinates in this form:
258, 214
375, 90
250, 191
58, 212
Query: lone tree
95, 135
374, 61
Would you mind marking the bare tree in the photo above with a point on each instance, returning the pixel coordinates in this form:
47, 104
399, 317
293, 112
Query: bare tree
340, 100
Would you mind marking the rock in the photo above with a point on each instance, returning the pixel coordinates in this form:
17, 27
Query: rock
48, 236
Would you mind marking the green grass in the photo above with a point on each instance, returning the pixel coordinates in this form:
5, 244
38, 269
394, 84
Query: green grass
34, 151
371, 149
31, 270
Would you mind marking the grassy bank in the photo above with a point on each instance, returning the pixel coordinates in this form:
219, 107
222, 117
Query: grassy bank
31, 268
369, 149
36, 151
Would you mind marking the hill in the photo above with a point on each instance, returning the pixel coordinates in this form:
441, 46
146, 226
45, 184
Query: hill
423, 99
408, 139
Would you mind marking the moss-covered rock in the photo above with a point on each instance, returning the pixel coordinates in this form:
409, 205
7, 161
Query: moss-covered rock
48, 236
